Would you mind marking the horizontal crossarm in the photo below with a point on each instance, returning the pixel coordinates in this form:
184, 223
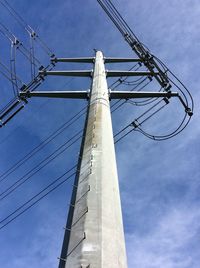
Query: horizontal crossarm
91, 60
129, 73
75, 60
86, 73
56, 94
119, 60
141, 94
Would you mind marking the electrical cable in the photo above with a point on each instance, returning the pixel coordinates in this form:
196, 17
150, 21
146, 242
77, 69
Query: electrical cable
144, 113
124, 101
122, 78
41, 145
126, 30
152, 137
134, 125
35, 196
151, 62
18, 44
8, 71
26, 27
39, 166
15, 85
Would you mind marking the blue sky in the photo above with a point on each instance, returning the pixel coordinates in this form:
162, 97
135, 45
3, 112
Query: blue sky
159, 181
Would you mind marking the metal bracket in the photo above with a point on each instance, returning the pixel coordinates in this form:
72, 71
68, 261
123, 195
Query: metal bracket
83, 194
86, 211
84, 237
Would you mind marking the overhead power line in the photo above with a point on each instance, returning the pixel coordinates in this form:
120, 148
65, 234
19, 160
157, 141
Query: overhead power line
25, 26
61, 149
164, 77
42, 144
33, 201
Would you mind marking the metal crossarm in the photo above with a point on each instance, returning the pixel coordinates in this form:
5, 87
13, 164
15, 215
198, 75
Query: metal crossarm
75, 60
120, 60
128, 73
141, 94
81, 73
56, 94
95, 204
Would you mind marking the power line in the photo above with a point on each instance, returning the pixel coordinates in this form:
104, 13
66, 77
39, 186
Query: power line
41, 145
134, 88
135, 124
39, 166
35, 196
26, 27
149, 60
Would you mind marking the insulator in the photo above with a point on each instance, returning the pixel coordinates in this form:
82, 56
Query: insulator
10, 108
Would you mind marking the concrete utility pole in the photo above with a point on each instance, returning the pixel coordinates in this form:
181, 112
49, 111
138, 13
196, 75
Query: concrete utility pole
96, 236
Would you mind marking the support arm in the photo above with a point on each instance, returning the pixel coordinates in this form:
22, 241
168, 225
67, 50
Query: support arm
143, 94
56, 94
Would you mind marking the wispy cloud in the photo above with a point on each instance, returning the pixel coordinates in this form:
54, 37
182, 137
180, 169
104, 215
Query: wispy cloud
171, 244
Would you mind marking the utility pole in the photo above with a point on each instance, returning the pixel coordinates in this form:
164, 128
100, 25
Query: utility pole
94, 235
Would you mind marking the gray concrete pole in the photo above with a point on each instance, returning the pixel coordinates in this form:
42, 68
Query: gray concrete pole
96, 237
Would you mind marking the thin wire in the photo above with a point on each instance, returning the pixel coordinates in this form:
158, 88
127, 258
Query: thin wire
26, 27
143, 114
126, 31
35, 170
14, 40
144, 102
123, 102
44, 189
42, 144
139, 124
13, 69
8, 71
168, 137
35, 202
150, 60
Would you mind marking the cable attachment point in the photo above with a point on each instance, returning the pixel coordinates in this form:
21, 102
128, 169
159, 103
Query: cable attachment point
16, 43
53, 60
41, 68
33, 35
23, 88
189, 111
166, 100
42, 72
135, 124
168, 87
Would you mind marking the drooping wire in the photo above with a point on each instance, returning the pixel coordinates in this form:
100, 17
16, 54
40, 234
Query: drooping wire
122, 102
166, 137
134, 125
13, 69
151, 62
118, 81
19, 45
6, 74
26, 27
